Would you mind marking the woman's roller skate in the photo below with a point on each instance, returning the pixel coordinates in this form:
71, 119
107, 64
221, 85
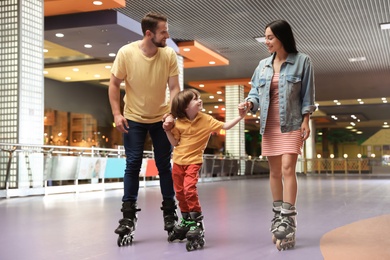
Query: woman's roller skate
180, 230
169, 214
277, 207
127, 224
285, 233
195, 236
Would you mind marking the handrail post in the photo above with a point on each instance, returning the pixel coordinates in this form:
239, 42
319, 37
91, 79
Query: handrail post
10, 155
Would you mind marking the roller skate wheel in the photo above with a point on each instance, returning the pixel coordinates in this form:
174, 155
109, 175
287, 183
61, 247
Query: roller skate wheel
124, 240
274, 239
279, 244
202, 242
189, 246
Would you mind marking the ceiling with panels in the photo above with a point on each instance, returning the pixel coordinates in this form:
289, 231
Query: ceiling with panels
332, 33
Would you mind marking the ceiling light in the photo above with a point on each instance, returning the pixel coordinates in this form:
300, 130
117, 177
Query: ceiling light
97, 76
45, 72
260, 39
112, 54
68, 78
385, 126
201, 85
45, 50
88, 46
211, 97
385, 26
211, 62
357, 59
349, 127
210, 112
186, 49
223, 109
335, 101
108, 67
75, 69
220, 99
97, 2
359, 132
216, 106
59, 35
219, 92
338, 103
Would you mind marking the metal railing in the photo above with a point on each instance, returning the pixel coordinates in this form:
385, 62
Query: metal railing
45, 169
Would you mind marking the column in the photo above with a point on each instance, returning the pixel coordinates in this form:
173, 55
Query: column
235, 137
21, 83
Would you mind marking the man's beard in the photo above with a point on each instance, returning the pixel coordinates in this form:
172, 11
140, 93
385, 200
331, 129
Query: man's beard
158, 44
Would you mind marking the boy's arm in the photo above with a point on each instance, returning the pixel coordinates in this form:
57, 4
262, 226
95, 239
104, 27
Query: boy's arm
231, 123
242, 110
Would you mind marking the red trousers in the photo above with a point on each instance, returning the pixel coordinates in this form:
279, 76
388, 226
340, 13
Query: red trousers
185, 178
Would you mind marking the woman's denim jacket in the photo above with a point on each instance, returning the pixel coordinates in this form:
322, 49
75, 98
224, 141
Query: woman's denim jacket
296, 90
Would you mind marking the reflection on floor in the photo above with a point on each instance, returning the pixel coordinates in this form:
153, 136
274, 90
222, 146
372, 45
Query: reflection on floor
237, 219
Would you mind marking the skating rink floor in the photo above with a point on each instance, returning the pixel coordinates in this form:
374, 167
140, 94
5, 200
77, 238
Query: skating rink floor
339, 217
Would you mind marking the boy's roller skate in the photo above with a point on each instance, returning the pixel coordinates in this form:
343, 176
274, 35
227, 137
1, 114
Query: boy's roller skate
285, 233
169, 214
127, 224
195, 236
181, 229
277, 207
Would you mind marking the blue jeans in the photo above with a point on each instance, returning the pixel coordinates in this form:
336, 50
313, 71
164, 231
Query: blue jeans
134, 142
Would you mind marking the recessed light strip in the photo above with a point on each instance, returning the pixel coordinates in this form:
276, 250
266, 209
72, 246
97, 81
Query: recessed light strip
385, 26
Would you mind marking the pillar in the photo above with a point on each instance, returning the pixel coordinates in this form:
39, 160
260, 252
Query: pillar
235, 137
21, 83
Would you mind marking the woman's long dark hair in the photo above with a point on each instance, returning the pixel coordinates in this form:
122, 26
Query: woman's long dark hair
282, 30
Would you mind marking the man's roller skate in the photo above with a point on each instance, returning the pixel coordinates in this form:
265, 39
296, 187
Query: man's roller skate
285, 233
127, 224
277, 207
169, 214
195, 236
180, 230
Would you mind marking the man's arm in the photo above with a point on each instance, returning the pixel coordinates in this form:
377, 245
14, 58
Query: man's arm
114, 94
174, 86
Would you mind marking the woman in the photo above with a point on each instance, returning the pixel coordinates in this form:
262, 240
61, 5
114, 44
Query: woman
283, 91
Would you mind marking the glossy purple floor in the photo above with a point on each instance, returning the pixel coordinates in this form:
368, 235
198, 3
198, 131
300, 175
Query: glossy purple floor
237, 218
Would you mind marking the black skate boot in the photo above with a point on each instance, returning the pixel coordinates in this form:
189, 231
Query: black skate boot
277, 207
285, 233
181, 229
195, 236
127, 224
169, 214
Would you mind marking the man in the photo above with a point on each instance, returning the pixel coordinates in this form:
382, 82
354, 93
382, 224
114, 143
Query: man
146, 66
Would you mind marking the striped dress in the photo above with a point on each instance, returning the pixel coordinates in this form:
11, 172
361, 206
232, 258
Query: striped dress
274, 142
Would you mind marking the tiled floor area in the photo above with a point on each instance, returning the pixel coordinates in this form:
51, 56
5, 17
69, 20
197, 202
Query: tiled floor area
237, 218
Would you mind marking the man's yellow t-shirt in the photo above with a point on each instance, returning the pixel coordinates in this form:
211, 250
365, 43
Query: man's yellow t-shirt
193, 137
146, 99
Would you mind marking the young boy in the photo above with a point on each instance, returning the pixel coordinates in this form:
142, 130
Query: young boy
189, 136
